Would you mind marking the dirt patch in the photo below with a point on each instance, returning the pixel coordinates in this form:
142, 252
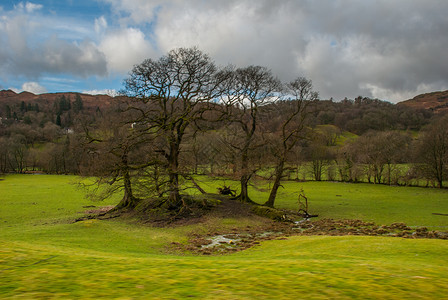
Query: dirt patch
98, 210
243, 238
357, 227
233, 240
95, 212
217, 206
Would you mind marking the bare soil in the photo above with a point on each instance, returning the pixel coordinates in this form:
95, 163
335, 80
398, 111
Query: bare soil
247, 237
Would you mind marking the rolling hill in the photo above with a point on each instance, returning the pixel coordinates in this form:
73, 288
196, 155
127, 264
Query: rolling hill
90, 102
435, 101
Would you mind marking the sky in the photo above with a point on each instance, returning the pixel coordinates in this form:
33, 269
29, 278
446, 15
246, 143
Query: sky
387, 49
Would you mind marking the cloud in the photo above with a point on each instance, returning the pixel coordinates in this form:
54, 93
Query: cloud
28, 7
100, 24
32, 47
109, 92
137, 11
125, 48
386, 49
32, 87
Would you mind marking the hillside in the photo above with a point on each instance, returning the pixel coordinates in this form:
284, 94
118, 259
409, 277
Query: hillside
45, 100
435, 101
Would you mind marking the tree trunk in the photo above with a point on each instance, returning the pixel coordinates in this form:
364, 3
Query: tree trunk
245, 177
128, 201
156, 180
174, 195
244, 195
196, 185
196, 166
317, 169
278, 177
173, 160
212, 169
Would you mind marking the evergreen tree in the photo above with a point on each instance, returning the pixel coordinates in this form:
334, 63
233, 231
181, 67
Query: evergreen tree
78, 105
58, 120
63, 104
8, 112
68, 103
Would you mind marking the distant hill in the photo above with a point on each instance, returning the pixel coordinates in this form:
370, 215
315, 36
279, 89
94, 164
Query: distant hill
90, 102
436, 101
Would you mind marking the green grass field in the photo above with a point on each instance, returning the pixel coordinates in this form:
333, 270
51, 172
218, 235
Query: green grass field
44, 255
381, 204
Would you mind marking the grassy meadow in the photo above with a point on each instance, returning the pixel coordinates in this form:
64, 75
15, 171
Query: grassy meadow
381, 204
44, 255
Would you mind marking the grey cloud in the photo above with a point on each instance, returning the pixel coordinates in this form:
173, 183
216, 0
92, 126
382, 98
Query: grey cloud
348, 48
57, 56
26, 51
377, 48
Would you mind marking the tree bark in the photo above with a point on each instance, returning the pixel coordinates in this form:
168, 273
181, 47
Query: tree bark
173, 160
245, 177
244, 195
276, 185
128, 201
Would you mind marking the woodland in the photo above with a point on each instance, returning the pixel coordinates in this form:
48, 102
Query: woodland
182, 115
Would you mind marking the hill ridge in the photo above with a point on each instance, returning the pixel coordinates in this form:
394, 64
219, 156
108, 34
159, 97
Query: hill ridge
90, 101
434, 101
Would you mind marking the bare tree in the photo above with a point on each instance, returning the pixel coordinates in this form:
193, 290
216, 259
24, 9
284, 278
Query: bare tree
345, 161
18, 152
432, 152
395, 151
379, 151
319, 153
4, 155
173, 94
117, 154
247, 89
291, 129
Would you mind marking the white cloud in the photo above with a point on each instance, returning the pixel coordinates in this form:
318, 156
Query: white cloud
100, 24
137, 11
125, 48
400, 95
30, 48
109, 92
28, 7
31, 7
32, 87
